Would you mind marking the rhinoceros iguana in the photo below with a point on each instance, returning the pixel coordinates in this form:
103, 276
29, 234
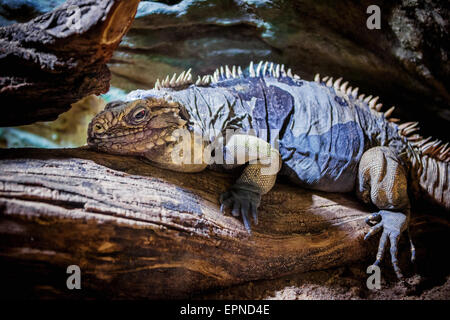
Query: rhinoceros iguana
327, 137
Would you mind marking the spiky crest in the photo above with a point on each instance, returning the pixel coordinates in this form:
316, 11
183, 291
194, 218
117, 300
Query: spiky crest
435, 149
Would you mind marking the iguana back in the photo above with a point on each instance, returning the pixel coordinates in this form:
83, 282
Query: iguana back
321, 131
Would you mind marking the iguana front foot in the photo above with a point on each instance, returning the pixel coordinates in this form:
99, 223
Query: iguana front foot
393, 224
242, 199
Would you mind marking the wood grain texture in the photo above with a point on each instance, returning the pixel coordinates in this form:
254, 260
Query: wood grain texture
59, 57
146, 232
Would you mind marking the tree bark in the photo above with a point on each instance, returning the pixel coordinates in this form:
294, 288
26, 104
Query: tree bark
137, 231
59, 57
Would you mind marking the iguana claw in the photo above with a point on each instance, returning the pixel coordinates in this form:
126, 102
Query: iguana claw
393, 224
242, 199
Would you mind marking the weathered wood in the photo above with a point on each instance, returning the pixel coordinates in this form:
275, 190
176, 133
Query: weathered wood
138, 231
59, 57
147, 232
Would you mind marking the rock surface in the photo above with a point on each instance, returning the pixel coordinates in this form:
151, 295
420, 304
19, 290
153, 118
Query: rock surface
59, 57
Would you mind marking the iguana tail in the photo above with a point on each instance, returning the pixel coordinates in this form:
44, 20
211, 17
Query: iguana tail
430, 171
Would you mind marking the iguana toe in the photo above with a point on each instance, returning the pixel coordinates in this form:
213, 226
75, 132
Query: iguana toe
393, 224
242, 199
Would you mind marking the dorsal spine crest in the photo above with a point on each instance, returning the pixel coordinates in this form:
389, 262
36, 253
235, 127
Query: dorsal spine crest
435, 149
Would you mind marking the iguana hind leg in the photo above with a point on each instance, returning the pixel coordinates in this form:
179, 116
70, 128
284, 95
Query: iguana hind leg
382, 180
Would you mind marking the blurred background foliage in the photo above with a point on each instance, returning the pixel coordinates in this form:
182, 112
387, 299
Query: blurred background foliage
405, 62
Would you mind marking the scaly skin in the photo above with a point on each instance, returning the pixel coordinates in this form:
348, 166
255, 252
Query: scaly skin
329, 139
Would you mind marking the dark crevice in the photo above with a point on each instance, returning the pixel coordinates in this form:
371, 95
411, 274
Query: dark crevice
69, 205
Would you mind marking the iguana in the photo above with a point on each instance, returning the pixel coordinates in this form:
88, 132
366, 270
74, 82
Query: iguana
327, 137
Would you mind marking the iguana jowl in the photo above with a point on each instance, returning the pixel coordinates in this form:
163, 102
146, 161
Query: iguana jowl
329, 137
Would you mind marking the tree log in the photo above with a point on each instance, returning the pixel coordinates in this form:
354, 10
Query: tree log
59, 57
137, 231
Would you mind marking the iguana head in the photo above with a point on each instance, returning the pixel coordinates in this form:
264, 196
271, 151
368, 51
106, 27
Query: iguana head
135, 128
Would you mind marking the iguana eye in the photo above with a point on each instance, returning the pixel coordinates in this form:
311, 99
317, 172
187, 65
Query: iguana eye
98, 128
139, 114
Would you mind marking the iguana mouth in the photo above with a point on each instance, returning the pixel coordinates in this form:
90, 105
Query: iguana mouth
137, 141
122, 136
